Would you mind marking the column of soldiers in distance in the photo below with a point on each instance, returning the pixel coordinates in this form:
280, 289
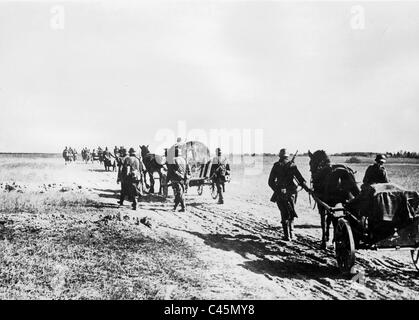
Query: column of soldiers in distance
69, 154
285, 176
94, 153
131, 173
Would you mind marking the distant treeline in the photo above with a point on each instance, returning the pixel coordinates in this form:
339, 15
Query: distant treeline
399, 154
28, 155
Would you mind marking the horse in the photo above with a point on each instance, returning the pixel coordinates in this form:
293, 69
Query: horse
107, 162
68, 156
153, 163
100, 156
333, 184
86, 156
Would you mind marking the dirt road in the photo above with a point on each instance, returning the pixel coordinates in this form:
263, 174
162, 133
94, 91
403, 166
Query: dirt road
240, 241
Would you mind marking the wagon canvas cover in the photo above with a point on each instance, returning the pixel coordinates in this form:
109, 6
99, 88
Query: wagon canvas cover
195, 153
389, 202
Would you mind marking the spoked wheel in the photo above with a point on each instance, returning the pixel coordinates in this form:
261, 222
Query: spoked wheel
415, 257
200, 189
214, 192
344, 246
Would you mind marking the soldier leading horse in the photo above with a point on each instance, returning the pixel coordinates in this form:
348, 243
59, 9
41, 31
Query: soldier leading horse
153, 163
333, 184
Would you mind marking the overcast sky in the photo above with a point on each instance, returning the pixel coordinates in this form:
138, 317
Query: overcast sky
121, 72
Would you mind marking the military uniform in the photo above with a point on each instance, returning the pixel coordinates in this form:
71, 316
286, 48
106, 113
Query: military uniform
107, 159
375, 174
178, 173
220, 169
281, 181
65, 154
121, 173
130, 177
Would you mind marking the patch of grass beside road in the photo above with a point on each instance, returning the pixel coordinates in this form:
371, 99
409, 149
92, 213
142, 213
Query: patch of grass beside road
64, 249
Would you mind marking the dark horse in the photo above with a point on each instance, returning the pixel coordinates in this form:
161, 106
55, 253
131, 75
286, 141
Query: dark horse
153, 163
333, 184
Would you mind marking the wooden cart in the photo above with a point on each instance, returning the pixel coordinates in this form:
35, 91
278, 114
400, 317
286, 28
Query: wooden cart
356, 229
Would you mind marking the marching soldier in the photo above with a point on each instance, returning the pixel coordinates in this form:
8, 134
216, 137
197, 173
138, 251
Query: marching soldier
376, 173
220, 169
130, 177
142, 174
65, 154
75, 155
178, 173
107, 159
122, 154
115, 152
70, 154
281, 181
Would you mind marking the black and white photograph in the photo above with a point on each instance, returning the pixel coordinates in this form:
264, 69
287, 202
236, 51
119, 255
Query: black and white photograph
229, 150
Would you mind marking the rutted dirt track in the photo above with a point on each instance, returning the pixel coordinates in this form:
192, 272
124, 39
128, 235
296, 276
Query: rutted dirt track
238, 243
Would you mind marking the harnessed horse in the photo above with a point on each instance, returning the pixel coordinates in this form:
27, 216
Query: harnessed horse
153, 163
333, 184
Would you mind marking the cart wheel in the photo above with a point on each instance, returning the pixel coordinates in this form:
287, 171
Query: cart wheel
214, 192
344, 246
200, 189
415, 257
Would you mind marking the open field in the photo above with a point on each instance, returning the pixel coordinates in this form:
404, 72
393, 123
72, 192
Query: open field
65, 237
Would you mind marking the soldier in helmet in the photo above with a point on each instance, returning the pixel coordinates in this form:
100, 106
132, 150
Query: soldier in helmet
376, 173
65, 154
122, 154
178, 173
94, 155
130, 177
220, 170
282, 181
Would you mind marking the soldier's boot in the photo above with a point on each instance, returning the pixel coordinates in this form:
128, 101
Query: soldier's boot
220, 194
182, 205
121, 199
285, 229
220, 198
134, 204
291, 230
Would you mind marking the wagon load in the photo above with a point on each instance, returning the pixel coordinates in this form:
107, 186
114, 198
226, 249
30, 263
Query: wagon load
196, 154
387, 207
392, 203
198, 157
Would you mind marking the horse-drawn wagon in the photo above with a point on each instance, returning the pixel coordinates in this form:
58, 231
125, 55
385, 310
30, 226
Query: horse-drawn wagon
382, 216
199, 159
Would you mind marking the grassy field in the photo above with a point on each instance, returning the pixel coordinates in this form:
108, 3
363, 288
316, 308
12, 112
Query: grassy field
64, 245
